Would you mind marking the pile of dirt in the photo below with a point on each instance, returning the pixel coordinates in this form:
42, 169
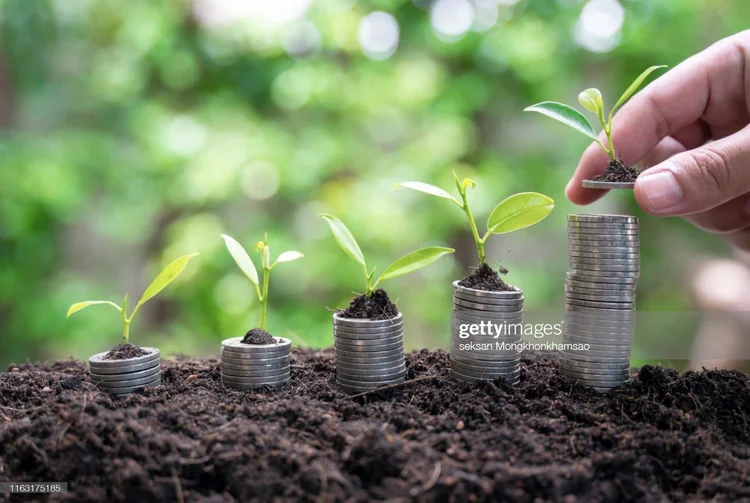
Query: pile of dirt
617, 171
123, 352
664, 437
376, 306
488, 279
259, 337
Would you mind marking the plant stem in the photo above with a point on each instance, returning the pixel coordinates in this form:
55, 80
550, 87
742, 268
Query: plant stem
477, 240
264, 298
126, 331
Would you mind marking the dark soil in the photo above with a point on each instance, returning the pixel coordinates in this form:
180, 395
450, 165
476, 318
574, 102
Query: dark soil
486, 278
258, 336
617, 171
664, 437
377, 306
123, 352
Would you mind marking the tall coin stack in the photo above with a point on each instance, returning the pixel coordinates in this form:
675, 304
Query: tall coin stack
484, 308
122, 377
250, 366
369, 354
600, 299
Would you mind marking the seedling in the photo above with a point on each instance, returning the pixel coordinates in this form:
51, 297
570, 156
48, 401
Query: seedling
591, 99
514, 213
245, 264
406, 264
160, 283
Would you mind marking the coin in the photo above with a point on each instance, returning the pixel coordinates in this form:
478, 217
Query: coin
595, 365
515, 293
353, 348
489, 354
485, 373
602, 231
391, 339
371, 377
226, 379
489, 301
471, 362
600, 298
622, 354
236, 345
602, 248
371, 367
471, 380
592, 184
372, 333
270, 374
603, 219
617, 376
601, 279
594, 290
572, 303
131, 389
249, 386
372, 355
129, 383
575, 333
359, 323
612, 287
475, 316
127, 369
366, 385
363, 359
130, 375
98, 359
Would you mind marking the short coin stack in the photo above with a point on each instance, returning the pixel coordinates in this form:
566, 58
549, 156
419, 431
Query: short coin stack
369, 354
122, 377
600, 299
484, 354
250, 366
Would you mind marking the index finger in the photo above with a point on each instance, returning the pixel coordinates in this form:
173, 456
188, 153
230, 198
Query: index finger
667, 105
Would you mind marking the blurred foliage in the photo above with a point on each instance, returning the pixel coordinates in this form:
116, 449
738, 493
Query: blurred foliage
135, 132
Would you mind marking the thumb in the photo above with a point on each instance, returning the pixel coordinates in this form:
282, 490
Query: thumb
697, 180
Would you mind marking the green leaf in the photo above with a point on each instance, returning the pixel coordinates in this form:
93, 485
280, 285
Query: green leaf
345, 239
634, 87
428, 189
591, 99
288, 256
240, 256
519, 211
166, 277
566, 115
468, 182
82, 305
414, 261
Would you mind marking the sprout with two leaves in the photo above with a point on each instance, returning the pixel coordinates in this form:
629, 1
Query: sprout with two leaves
514, 213
407, 264
160, 283
592, 100
246, 265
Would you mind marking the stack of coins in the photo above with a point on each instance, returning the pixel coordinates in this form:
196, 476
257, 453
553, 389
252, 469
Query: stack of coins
485, 334
122, 377
250, 366
369, 354
600, 299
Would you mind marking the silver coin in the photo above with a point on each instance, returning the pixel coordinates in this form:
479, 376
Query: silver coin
599, 315
371, 367
360, 345
249, 372
587, 248
613, 287
472, 316
119, 386
485, 373
371, 377
254, 365
488, 307
622, 353
603, 219
634, 262
572, 303
396, 359
358, 323
369, 334
516, 293
621, 292
384, 339
131, 389
225, 379
493, 355
601, 322
602, 231
127, 369
249, 386
242, 362
607, 335
236, 345
509, 323
599, 348
98, 359
591, 376
370, 355
608, 274
480, 366
595, 365
130, 375
606, 270
271, 376
602, 256
502, 364
471, 380
488, 300
592, 184
353, 348
600, 279
593, 359
367, 385
630, 299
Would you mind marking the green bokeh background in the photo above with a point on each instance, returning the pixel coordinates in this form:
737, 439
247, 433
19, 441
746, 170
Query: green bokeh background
133, 133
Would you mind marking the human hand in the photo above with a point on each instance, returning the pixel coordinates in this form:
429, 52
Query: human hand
667, 126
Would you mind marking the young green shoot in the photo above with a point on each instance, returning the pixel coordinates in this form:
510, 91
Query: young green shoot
160, 283
405, 265
242, 258
516, 212
592, 100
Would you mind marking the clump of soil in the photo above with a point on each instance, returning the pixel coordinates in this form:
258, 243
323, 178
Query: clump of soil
123, 352
665, 436
377, 306
259, 337
488, 279
617, 171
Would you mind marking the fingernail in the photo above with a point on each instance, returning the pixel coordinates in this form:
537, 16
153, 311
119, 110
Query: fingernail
661, 189
567, 187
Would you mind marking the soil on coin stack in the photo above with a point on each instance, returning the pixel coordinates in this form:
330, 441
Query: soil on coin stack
664, 437
377, 306
259, 337
123, 352
617, 171
486, 278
